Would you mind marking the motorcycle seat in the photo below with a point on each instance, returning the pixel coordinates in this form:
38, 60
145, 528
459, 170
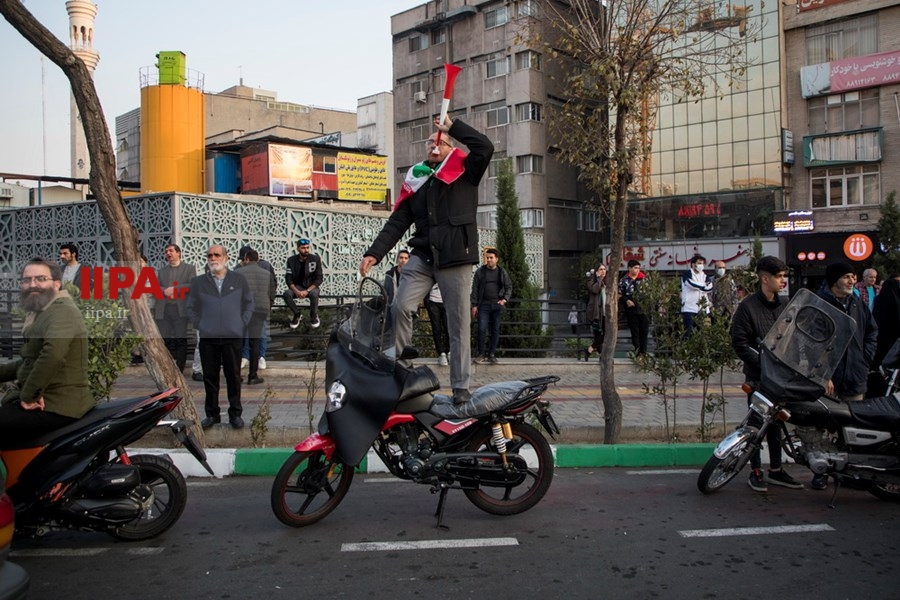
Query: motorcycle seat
487, 398
418, 381
95, 415
878, 413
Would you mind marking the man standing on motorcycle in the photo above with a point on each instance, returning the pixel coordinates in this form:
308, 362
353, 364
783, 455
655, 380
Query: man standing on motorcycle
849, 380
752, 320
51, 386
439, 197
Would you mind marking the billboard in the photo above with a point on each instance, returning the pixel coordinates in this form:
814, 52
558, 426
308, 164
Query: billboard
362, 177
290, 171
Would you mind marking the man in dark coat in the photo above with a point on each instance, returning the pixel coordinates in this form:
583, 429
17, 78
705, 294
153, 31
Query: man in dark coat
304, 277
52, 388
848, 382
220, 307
439, 197
170, 314
752, 320
262, 288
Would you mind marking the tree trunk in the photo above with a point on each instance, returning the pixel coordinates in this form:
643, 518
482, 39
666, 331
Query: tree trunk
103, 184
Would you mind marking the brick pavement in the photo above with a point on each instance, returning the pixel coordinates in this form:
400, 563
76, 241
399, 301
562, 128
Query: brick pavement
575, 400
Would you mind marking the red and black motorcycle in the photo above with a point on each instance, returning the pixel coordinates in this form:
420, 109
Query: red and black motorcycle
487, 448
80, 476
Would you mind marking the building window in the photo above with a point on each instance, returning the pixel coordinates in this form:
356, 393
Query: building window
418, 42
495, 17
843, 39
588, 220
324, 164
528, 59
847, 186
496, 68
527, 8
438, 36
529, 111
844, 112
437, 81
530, 163
495, 165
496, 113
486, 218
531, 217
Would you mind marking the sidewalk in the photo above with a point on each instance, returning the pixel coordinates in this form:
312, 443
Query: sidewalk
575, 400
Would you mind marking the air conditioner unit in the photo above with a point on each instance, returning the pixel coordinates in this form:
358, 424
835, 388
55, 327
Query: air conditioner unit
420, 97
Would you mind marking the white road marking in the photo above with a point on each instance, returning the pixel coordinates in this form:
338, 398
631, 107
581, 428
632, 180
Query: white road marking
665, 472
428, 544
732, 531
145, 551
57, 552
385, 480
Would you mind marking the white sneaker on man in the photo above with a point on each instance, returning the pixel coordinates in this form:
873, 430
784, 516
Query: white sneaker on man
262, 363
245, 362
442, 359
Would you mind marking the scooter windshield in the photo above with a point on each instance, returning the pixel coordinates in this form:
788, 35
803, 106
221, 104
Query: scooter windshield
804, 346
369, 329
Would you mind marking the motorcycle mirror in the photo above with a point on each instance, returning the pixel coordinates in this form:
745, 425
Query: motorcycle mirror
409, 353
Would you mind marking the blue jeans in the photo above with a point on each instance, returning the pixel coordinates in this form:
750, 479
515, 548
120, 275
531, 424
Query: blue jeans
489, 317
263, 343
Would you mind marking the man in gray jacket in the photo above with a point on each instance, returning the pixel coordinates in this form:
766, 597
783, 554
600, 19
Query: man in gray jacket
220, 307
262, 288
171, 314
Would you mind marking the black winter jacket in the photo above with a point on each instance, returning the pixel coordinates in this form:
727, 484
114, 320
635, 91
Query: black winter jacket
752, 320
304, 273
444, 214
852, 372
216, 315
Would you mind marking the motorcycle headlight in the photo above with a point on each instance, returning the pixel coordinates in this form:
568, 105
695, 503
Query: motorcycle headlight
760, 404
336, 394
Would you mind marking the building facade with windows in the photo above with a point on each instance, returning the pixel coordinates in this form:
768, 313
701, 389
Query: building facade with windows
503, 91
842, 74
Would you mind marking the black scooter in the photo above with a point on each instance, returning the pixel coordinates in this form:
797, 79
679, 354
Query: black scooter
80, 476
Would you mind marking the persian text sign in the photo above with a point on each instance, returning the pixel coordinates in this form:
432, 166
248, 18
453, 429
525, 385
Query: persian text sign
361, 177
854, 73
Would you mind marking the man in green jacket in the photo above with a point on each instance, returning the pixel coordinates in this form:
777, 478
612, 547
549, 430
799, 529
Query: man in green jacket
51, 387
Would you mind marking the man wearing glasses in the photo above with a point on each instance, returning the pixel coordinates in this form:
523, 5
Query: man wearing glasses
304, 278
51, 387
220, 306
439, 197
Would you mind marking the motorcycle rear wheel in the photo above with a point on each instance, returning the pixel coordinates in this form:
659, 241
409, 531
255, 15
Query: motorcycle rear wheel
528, 443
886, 491
308, 487
169, 499
719, 471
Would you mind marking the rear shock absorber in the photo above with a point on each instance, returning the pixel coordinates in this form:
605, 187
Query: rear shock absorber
499, 440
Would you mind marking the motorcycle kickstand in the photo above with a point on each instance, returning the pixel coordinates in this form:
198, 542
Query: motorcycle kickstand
837, 486
440, 507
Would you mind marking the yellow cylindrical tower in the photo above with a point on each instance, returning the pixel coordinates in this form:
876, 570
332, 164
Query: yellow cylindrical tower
172, 137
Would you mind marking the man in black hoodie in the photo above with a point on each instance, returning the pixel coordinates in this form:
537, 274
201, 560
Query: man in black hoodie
752, 320
220, 306
439, 197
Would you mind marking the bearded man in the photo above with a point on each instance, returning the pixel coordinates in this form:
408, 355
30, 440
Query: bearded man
50, 387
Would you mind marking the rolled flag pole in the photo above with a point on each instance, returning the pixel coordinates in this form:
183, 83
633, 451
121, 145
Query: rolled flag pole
450, 73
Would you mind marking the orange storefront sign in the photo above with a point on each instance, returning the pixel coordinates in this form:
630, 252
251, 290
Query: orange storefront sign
858, 247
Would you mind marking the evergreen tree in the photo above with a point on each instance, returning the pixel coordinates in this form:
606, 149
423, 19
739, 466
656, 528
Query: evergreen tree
521, 327
887, 261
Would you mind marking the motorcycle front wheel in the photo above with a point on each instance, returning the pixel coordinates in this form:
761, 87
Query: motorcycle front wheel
527, 486
169, 498
719, 471
308, 487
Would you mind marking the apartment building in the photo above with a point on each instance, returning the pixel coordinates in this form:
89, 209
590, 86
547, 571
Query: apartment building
842, 78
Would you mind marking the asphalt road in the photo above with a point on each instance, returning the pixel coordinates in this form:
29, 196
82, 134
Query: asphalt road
601, 533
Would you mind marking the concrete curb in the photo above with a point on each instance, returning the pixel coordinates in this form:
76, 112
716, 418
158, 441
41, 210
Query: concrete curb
267, 461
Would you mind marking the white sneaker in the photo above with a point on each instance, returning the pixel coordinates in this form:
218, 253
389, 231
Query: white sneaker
245, 362
442, 359
315, 323
262, 363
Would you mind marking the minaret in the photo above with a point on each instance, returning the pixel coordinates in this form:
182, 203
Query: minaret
81, 42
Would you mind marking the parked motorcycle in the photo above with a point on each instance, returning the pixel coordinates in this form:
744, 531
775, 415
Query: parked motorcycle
855, 442
80, 476
486, 447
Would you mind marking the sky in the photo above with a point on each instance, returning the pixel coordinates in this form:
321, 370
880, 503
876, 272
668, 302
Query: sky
325, 54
